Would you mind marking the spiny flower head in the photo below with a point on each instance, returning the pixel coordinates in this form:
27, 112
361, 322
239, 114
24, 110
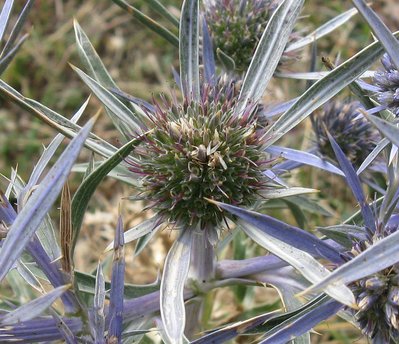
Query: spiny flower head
378, 294
236, 27
353, 133
199, 150
388, 83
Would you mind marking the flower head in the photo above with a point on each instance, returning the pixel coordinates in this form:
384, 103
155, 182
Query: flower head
388, 83
236, 27
378, 294
199, 150
353, 133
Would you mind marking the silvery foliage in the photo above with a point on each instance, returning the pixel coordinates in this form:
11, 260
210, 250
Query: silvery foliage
30, 251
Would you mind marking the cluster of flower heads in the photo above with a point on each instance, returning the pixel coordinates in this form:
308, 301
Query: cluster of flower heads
355, 135
377, 295
236, 27
388, 83
199, 150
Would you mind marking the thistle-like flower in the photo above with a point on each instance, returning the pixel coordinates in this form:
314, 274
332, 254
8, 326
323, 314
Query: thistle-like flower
388, 83
236, 27
353, 133
377, 295
199, 150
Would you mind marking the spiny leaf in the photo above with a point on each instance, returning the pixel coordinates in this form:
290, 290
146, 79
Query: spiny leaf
189, 49
268, 52
89, 185
36, 208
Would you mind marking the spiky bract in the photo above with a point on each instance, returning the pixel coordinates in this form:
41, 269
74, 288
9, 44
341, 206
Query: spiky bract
350, 129
388, 83
236, 26
378, 295
201, 150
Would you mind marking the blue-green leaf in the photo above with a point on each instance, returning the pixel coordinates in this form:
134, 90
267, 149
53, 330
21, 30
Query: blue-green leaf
33, 308
323, 90
189, 49
268, 52
174, 276
389, 42
36, 208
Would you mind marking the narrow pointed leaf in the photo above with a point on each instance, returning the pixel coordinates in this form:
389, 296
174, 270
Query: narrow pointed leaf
377, 257
38, 330
291, 302
5, 17
343, 234
281, 193
47, 156
98, 307
389, 130
125, 120
87, 283
147, 21
174, 276
138, 231
163, 11
29, 276
36, 208
119, 172
323, 90
89, 185
7, 212
189, 49
17, 27
63, 328
66, 229
385, 36
305, 321
226, 61
231, 331
322, 30
373, 155
208, 58
354, 183
268, 52
309, 267
55, 120
284, 232
278, 109
304, 157
143, 241
117, 284
33, 308
6, 59
90, 58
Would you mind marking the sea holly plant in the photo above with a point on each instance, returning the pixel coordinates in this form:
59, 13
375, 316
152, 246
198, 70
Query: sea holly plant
186, 147
234, 29
200, 159
366, 242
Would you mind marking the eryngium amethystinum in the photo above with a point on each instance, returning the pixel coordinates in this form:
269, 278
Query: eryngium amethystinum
200, 150
350, 129
378, 294
388, 83
236, 27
